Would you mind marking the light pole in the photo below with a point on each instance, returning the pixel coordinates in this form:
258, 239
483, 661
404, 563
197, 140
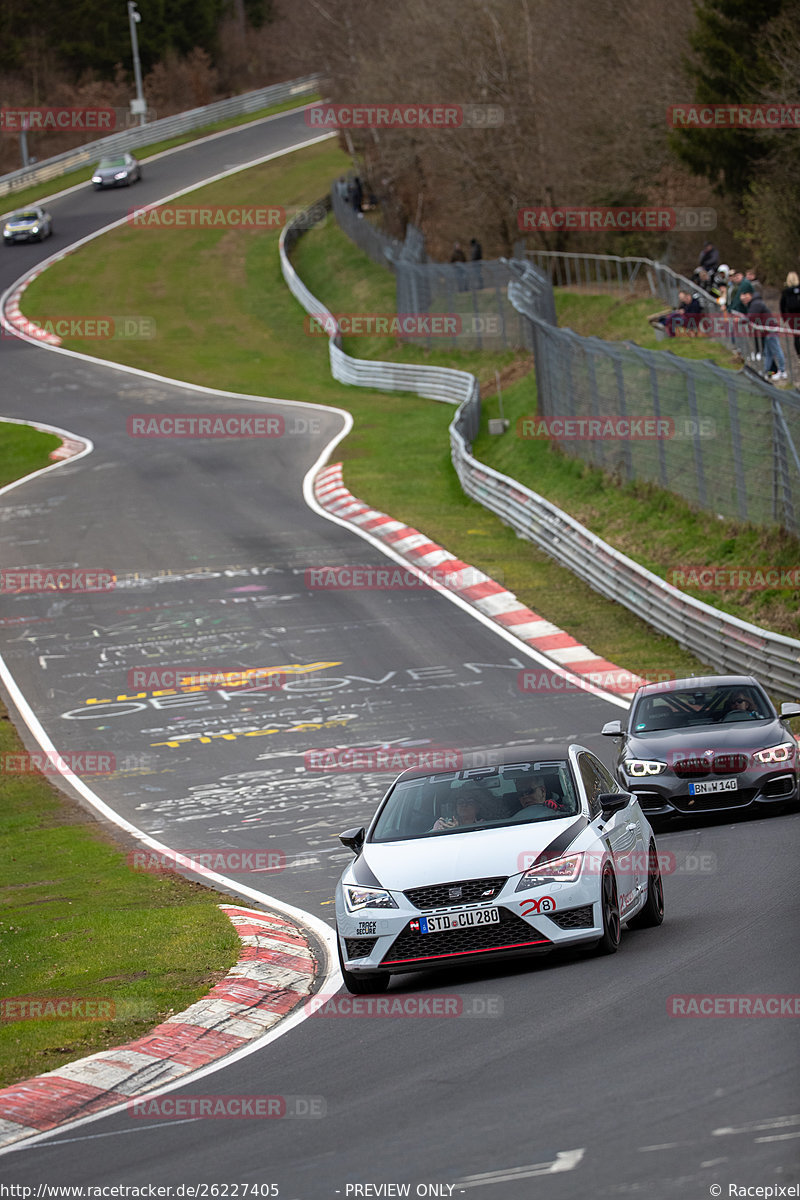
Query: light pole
139, 105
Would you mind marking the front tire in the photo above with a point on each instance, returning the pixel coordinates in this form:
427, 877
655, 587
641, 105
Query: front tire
612, 926
360, 985
653, 912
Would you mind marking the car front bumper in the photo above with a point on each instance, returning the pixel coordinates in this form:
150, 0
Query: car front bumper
668, 795
389, 940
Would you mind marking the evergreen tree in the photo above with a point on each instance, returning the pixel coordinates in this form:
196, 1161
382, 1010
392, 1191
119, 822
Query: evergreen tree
728, 65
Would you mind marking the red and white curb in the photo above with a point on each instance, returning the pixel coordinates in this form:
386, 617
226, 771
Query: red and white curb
68, 449
494, 601
274, 974
15, 317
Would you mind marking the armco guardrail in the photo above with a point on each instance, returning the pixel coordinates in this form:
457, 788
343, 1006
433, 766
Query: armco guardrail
156, 131
724, 642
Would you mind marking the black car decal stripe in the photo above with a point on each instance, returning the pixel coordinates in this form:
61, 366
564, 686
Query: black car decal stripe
558, 845
363, 875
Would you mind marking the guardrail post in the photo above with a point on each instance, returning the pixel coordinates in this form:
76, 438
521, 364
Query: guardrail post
783, 505
662, 450
702, 495
736, 448
625, 450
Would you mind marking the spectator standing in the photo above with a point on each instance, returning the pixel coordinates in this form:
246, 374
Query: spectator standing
475, 255
458, 254
757, 310
709, 259
790, 305
357, 195
735, 291
752, 277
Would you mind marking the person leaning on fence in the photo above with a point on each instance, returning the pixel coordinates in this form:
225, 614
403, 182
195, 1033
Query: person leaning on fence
758, 313
790, 306
458, 254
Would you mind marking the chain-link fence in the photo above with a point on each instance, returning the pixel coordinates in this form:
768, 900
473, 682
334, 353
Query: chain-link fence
346, 201
473, 294
643, 276
724, 440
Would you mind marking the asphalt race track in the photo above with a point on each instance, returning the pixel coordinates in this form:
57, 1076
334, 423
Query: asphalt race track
577, 1081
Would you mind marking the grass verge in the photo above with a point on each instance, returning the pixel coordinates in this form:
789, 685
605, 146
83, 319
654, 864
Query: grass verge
224, 318
24, 449
75, 921
41, 191
78, 924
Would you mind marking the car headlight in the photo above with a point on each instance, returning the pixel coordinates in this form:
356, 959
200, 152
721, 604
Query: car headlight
639, 767
557, 870
776, 754
367, 897
34, 229
120, 174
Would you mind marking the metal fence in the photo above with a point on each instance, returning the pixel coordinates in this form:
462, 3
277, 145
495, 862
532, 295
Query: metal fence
382, 249
474, 294
643, 276
157, 131
730, 443
721, 641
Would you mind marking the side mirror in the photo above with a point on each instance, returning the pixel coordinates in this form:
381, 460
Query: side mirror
613, 802
790, 709
353, 839
612, 729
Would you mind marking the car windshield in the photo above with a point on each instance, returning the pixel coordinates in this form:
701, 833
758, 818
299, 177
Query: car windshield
690, 707
465, 801
28, 215
110, 162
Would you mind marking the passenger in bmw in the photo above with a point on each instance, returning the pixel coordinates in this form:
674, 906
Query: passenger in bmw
468, 813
